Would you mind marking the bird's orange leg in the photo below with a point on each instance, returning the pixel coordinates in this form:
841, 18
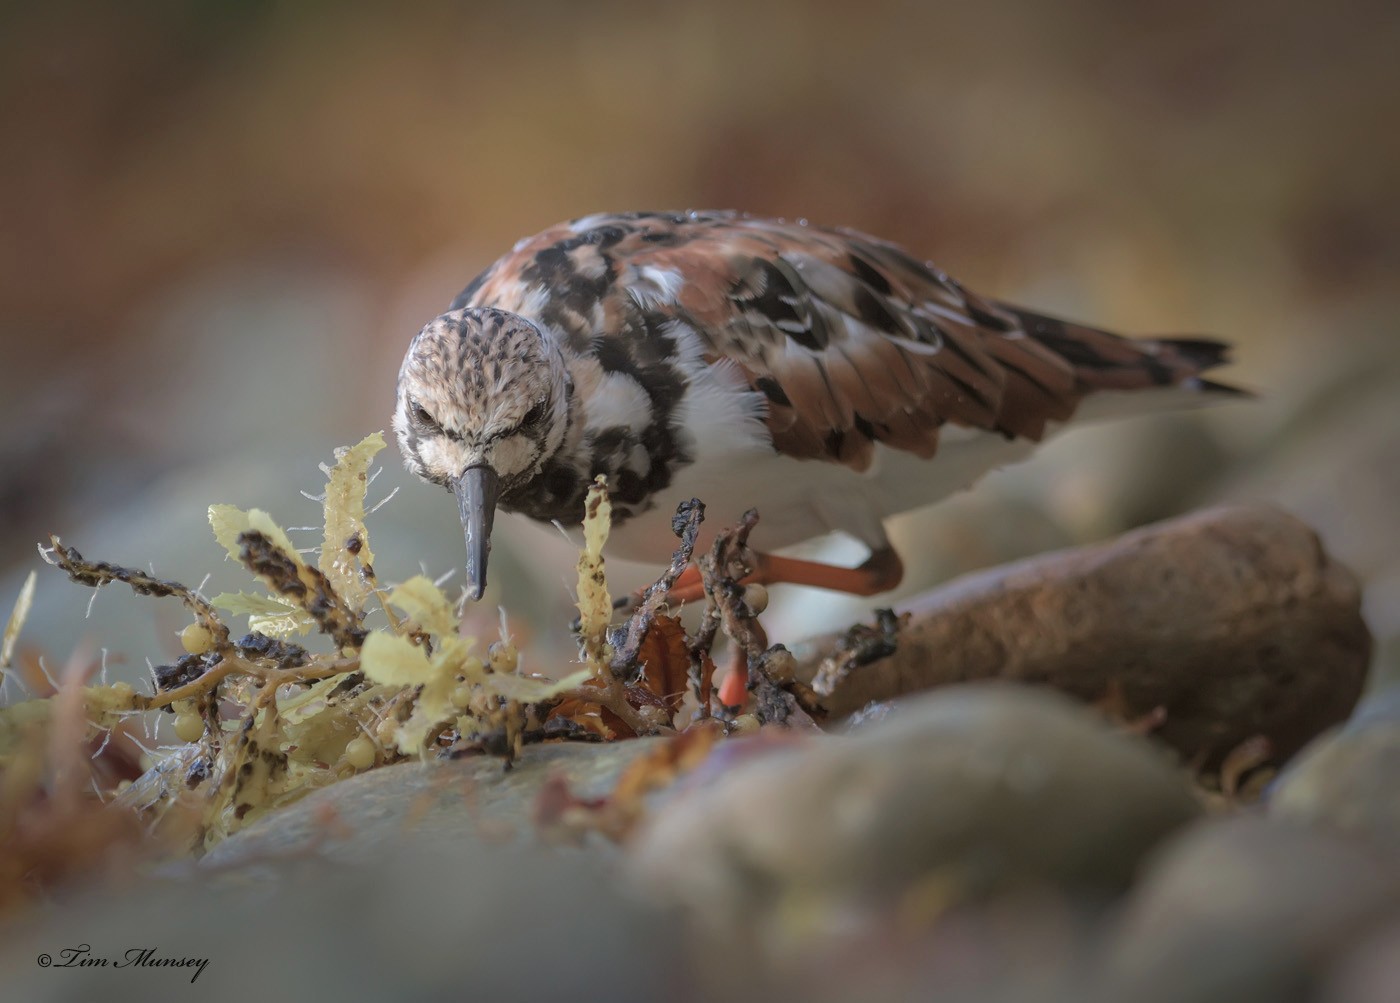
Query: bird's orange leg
882, 572
734, 687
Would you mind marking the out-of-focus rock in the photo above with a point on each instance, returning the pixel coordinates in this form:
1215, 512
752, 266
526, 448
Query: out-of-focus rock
1333, 458
434, 802
1009, 949
1347, 779
1233, 621
422, 920
1247, 909
1105, 478
955, 795
1370, 973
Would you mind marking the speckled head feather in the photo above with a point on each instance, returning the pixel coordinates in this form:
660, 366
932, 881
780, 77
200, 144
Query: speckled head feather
477, 386
483, 403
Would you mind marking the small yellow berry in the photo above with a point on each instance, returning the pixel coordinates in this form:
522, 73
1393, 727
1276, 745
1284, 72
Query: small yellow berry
462, 697
360, 752
386, 730
781, 666
755, 598
196, 639
189, 727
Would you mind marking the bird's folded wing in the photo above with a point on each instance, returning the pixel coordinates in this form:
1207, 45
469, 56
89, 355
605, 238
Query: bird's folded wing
853, 343
850, 340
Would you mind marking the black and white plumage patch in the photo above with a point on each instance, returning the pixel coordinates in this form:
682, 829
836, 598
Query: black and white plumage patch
684, 339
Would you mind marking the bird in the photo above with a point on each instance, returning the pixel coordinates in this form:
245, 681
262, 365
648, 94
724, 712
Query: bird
826, 377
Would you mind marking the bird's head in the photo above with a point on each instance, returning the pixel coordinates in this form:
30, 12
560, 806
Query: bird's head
482, 403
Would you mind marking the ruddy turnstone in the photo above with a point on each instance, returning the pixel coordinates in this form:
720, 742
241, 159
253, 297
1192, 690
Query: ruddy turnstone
823, 376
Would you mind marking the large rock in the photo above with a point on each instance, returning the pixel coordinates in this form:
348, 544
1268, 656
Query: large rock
1333, 459
437, 802
424, 920
1248, 910
414, 881
1347, 779
956, 794
1370, 973
1233, 620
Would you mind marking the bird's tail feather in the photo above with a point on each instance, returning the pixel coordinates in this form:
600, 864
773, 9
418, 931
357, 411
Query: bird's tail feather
1106, 361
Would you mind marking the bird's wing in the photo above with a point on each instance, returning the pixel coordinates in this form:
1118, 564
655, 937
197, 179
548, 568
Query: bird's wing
850, 340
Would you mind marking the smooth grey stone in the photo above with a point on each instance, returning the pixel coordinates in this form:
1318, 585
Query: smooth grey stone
981, 788
438, 803
1246, 908
1370, 973
420, 920
1348, 777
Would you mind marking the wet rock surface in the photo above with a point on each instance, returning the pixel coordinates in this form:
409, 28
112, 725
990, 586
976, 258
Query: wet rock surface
1370, 973
1248, 908
437, 802
1348, 779
1333, 459
968, 791
426, 919
1233, 621
981, 841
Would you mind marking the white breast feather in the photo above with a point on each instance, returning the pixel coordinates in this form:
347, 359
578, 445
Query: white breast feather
618, 399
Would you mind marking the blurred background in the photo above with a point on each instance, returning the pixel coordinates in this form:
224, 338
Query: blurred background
222, 222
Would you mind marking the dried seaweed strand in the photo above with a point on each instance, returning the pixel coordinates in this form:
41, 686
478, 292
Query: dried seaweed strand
23, 603
304, 585
686, 525
235, 664
858, 647
613, 695
95, 574
595, 609
701, 665
722, 572
1235, 769
354, 547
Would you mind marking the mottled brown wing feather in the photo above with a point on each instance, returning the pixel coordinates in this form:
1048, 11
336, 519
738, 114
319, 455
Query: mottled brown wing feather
850, 340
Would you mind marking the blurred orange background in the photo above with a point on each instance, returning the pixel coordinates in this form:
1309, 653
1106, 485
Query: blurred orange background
223, 221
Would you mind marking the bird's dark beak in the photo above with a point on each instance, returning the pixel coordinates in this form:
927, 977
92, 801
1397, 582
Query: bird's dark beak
476, 491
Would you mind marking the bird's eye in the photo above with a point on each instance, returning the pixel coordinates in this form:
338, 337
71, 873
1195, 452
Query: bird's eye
535, 415
421, 415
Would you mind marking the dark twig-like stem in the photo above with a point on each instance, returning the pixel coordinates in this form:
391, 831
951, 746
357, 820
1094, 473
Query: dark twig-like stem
686, 525
722, 570
95, 574
304, 585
